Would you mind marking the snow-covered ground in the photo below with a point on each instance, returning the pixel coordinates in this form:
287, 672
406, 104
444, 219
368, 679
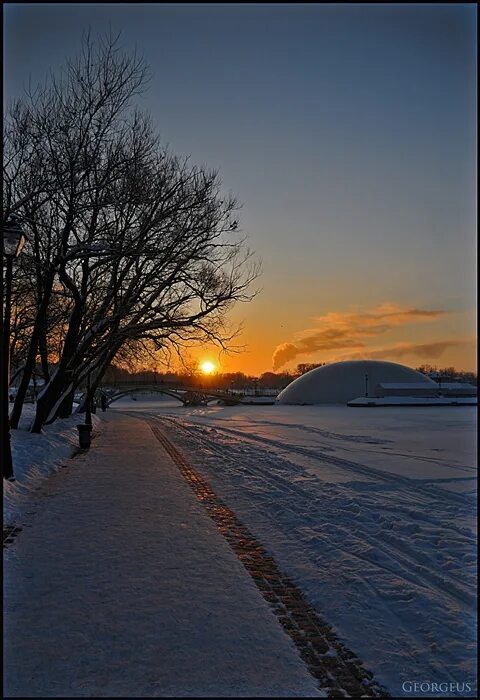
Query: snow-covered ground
123, 587
36, 456
371, 513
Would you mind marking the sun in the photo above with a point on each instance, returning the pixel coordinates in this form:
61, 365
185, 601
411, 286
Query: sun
207, 367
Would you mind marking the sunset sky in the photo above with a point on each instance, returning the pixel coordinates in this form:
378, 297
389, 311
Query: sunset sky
348, 132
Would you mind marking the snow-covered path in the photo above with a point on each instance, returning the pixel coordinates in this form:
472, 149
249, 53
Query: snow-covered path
122, 586
372, 515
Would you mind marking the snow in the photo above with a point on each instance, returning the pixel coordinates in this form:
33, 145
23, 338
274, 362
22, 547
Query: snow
36, 456
403, 385
363, 401
123, 587
371, 513
258, 400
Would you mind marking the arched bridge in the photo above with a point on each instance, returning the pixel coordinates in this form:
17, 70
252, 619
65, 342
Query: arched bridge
187, 396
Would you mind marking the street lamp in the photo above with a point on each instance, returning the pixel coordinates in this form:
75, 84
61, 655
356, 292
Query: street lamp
13, 240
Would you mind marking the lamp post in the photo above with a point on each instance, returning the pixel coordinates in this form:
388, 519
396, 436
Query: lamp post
13, 240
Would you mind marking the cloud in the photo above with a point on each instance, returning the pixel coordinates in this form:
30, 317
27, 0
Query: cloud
425, 351
336, 331
285, 352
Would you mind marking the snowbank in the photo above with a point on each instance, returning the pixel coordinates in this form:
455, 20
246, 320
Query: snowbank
36, 456
365, 401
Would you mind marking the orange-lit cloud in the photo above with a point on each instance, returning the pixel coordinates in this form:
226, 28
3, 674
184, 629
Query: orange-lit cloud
351, 330
425, 351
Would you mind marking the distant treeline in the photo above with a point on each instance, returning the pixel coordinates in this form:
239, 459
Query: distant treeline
240, 380
450, 373
191, 378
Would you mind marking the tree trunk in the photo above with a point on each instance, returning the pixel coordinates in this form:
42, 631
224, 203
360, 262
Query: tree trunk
47, 399
43, 352
66, 407
32, 353
59, 381
99, 376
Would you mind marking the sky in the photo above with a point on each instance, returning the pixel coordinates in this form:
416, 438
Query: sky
347, 132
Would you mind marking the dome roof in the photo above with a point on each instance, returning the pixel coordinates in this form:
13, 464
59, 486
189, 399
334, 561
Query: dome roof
340, 382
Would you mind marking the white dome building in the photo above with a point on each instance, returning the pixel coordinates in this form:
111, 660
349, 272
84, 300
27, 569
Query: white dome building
341, 382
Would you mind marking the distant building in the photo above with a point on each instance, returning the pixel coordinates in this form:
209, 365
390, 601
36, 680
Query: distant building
421, 389
459, 389
340, 382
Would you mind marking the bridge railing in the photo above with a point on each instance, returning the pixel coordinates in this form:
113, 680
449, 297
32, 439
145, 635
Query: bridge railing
179, 387
186, 395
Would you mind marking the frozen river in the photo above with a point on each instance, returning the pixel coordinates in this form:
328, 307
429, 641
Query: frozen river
370, 511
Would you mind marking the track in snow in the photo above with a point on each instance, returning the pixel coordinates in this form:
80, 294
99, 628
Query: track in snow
337, 669
387, 551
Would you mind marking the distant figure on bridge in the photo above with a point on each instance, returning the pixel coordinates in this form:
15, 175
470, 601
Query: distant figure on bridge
103, 402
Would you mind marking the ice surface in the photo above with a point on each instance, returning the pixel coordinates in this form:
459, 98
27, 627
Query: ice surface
371, 512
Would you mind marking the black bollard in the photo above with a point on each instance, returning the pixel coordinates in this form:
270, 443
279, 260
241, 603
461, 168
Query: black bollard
84, 435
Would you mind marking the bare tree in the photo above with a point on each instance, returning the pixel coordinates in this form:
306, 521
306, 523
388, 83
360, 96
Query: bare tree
128, 245
49, 138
